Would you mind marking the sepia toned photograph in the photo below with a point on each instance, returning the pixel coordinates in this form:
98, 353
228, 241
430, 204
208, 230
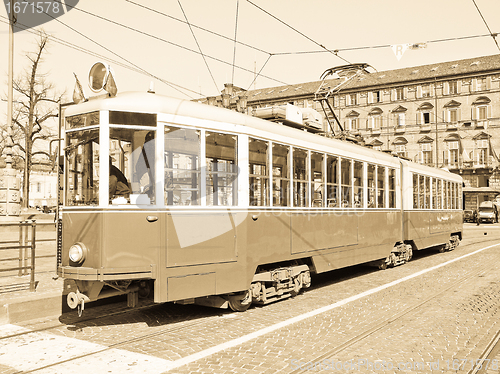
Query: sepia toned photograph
249, 186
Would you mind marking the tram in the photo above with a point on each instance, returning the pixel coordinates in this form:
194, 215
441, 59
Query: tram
224, 209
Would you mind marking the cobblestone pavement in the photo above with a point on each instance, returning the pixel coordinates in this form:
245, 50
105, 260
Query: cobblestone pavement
426, 323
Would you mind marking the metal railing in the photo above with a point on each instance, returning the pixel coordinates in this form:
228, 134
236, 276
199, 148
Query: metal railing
26, 246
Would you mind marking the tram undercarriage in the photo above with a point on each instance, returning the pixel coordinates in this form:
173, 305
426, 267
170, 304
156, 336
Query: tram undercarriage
268, 285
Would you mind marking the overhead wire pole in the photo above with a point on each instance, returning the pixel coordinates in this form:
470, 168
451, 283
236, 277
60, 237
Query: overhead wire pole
235, 33
10, 181
10, 97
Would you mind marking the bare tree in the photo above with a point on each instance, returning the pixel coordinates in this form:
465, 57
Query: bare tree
36, 102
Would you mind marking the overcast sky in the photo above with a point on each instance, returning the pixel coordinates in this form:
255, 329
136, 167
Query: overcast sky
152, 42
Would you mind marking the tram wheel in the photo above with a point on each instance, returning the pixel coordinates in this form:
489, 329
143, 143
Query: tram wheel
382, 265
241, 302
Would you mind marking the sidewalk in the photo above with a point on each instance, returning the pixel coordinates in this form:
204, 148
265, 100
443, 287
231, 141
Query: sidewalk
17, 303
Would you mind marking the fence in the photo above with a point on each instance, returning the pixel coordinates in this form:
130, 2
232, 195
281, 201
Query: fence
26, 245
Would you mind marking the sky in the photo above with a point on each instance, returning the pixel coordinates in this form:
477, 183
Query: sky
285, 40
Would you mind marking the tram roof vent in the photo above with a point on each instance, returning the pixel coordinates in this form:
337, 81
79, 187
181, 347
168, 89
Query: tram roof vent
293, 116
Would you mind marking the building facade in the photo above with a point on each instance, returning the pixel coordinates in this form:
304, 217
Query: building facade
443, 115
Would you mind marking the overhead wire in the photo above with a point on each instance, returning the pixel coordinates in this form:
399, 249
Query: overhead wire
195, 26
297, 31
486, 23
198, 44
172, 43
92, 53
138, 69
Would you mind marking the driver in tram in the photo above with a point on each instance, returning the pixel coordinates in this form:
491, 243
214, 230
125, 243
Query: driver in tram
118, 184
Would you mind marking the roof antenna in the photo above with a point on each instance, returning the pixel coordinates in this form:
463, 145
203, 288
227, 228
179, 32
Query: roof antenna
151, 87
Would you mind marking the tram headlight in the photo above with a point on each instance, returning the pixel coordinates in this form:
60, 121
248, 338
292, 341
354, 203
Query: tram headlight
77, 253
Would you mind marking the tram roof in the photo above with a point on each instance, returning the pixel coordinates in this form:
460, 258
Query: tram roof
145, 102
431, 171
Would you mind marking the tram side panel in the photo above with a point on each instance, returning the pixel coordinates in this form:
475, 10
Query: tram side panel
203, 255
431, 228
118, 245
355, 238
86, 228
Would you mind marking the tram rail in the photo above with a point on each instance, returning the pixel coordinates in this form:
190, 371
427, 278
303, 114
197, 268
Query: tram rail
187, 324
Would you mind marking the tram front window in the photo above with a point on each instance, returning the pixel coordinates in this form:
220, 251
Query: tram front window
132, 152
82, 155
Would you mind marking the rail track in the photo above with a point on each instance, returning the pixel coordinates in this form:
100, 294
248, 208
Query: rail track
194, 321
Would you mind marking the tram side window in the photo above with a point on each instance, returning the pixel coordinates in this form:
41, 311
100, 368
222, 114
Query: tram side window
371, 185
427, 193
300, 178
132, 156
421, 192
380, 187
392, 188
281, 177
433, 193
259, 178
332, 182
345, 180
222, 169
182, 166
358, 184
460, 196
448, 194
416, 193
439, 194
82, 167
454, 193
317, 179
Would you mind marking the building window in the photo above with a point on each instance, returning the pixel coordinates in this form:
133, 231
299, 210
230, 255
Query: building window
481, 152
482, 113
426, 90
401, 150
426, 153
374, 119
453, 152
399, 94
453, 87
453, 115
375, 122
481, 84
400, 119
351, 99
376, 97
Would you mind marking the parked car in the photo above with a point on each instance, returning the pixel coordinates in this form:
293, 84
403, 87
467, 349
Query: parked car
487, 212
469, 216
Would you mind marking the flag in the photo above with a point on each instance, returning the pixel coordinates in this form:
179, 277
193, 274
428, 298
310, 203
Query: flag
78, 95
110, 85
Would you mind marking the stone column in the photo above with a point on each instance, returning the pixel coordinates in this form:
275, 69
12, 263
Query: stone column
10, 196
